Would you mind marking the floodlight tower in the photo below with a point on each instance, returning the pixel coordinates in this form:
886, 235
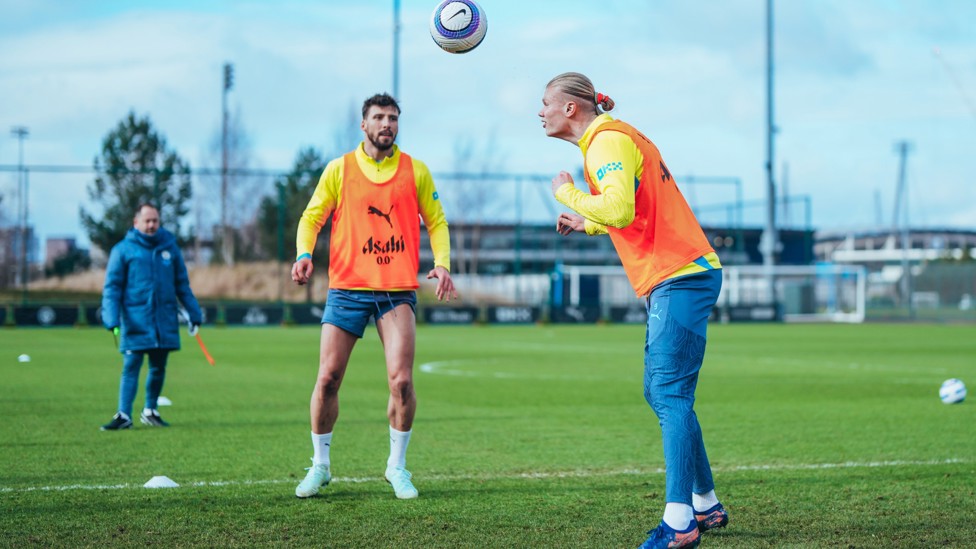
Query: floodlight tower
21, 133
769, 242
396, 49
226, 243
901, 206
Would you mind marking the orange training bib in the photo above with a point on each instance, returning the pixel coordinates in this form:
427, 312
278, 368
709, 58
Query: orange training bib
375, 241
664, 236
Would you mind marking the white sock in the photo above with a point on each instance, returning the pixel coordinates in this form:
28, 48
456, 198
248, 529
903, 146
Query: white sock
704, 502
320, 447
398, 448
149, 412
678, 515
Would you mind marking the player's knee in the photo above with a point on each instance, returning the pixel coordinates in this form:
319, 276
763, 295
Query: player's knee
656, 403
329, 382
401, 388
652, 397
668, 405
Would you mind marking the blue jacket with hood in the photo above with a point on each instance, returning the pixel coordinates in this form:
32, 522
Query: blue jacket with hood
145, 277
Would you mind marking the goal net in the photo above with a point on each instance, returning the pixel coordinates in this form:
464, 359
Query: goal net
801, 293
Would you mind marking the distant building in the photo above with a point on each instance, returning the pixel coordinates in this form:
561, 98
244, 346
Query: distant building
882, 247
941, 264
55, 247
538, 248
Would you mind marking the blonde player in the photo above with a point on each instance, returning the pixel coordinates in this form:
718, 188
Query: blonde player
668, 260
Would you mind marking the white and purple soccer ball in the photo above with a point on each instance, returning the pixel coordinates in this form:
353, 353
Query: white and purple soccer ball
458, 26
952, 391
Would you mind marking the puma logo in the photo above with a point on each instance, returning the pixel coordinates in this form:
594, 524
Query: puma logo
373, 210
656, 315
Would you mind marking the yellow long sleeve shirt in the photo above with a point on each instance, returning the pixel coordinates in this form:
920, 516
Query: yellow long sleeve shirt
328, 192
622, 165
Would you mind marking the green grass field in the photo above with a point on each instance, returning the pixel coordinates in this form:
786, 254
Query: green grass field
537, 436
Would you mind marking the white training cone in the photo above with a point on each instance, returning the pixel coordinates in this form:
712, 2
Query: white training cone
23, 358
161, 482
163, 401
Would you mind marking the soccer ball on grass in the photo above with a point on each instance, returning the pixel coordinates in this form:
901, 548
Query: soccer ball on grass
952, 391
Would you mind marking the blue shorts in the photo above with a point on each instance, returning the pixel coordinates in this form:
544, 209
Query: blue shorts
351, 310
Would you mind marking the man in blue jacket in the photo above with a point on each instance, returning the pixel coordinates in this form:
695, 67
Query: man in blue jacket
145, 277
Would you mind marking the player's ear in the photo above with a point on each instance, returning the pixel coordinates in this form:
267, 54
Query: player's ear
570, 108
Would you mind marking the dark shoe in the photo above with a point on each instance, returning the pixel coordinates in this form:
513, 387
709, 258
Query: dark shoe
119, 421
665, 537
152, 419
714, 517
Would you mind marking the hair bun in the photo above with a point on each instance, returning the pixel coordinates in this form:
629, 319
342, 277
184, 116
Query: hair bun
604, 101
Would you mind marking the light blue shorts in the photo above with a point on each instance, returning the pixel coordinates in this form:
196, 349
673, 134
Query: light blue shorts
352, 310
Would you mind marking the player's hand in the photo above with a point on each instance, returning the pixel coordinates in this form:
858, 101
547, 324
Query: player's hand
445, 286
114, 330
301, 271
193, 329
560, 180
567, 223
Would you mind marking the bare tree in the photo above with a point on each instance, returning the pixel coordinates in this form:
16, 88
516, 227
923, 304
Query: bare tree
242, 188
8, 263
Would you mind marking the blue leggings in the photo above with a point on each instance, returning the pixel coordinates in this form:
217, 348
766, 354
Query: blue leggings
677, 317
130, 378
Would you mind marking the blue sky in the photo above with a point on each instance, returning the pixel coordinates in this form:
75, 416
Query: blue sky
852, 78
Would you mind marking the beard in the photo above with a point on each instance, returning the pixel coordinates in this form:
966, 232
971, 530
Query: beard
382, 142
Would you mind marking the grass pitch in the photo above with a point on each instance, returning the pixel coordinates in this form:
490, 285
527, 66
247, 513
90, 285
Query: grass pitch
536, 436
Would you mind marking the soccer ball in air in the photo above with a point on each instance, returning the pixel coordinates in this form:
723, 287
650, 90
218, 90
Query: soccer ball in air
952, 391
458, 26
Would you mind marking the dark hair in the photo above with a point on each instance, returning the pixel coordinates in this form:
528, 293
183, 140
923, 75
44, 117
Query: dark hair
145, 205
380, 100
578, 85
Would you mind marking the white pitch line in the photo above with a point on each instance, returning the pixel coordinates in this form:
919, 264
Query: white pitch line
451, 368
519, 476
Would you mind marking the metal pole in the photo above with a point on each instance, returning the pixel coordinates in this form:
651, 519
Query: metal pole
770, 241
225, 238
21, 133
518, 240
903, 147
784, 185
738, 202
808, 225
396, 49
26, 236
281, 240
740, 246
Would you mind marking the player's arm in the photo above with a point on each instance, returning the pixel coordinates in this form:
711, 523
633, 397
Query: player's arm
613, 159
432, 213
115, 277
317, 212
593, 228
